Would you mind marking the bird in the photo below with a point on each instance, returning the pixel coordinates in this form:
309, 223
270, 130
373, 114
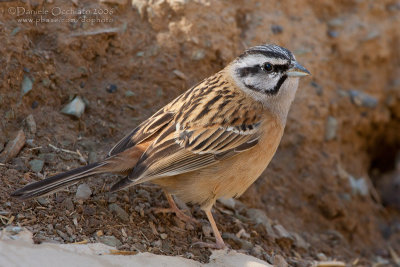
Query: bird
210, 142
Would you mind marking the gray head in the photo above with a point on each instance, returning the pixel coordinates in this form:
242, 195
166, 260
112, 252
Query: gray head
270, 74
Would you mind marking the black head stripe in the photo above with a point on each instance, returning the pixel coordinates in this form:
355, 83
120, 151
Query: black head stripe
270, 54
246, 71
275, 90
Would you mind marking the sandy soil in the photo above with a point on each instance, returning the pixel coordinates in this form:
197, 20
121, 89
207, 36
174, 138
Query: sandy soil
332, 190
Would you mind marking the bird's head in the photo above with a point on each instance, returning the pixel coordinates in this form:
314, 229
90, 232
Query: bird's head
270, 74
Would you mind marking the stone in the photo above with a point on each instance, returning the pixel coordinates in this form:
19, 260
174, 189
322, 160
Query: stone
206, 230
179, 74
75, 108
259, 217
333, 34
300, 243
331, 126
44, 201
279, 261
13, 147
92, 158
228, 202
358, 186
31, 124
129, 93
362, 99
120, 212
283, 237
29, 142
27, 85
244, 244
63, 235
83, 192
163, 236
336, 22
112, 88
48, 157
276, 29
257, 251
36, 165
110, 240
19, 164
198, 54
68, 204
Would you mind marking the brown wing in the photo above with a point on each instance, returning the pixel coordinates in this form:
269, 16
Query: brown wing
146, 129
184, 150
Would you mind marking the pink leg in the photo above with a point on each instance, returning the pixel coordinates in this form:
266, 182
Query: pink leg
175, 209
219, 242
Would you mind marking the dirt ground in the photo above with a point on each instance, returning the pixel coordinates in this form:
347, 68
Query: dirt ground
331, 192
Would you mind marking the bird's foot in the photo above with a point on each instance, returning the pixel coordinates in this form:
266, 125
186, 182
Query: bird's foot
216, 245
179, 213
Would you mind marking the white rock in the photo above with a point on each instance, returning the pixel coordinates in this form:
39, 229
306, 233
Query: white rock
83, 192
75, 108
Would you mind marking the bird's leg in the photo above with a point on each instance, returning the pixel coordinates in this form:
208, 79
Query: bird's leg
173, 208
219, 242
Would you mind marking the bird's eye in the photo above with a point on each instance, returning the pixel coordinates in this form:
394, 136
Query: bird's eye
268, 67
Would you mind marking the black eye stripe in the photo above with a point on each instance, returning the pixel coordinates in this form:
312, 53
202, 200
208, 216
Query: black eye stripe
281, 68
246, 71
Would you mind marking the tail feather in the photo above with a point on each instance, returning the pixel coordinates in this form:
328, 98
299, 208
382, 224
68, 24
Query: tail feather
58, 181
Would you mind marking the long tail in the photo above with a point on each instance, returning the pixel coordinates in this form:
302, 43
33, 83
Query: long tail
58, 181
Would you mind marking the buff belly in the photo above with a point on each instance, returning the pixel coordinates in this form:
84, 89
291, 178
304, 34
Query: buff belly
229, 178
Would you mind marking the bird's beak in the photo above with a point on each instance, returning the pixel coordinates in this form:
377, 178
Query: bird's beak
297, 70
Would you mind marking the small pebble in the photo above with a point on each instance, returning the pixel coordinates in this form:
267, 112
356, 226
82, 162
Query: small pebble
110, 240
75, 108
163, 236
244, 244
30, 143
27, 85
330, 128
322, 257
227, 202
336, 22
83, 192
63, 235
13, 147
157, 243
112, 88
280, 261
276, 29
198, 54
180, 74
318, 88
46, 82
206, 230
44, 201
333, 34
284, 238
69, 230
36, 165
358, 186
362, 99
35, 104
120, 212
68, 204
129, 93
31, 124
92, 158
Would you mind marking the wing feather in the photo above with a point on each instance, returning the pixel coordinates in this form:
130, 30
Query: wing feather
186, 150
145, 130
